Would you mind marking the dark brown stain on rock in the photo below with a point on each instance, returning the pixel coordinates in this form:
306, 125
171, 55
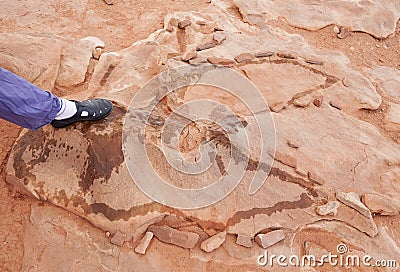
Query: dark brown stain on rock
36, 143
107, 74
104, 150
304, 202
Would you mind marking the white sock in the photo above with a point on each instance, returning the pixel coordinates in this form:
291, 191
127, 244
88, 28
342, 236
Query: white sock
68, 109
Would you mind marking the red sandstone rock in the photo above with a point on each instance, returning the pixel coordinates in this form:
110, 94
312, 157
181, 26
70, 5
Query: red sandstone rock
144, 243
183, 24
344, 33
264, 54
329, 208
286, 56
352, 200
270, 238
379, 204
118, 238
169, 235
244, 240
190, 55
220, 61
205, 46
213, 242
244, 57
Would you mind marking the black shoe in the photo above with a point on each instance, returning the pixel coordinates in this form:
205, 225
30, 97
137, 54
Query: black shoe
87, 110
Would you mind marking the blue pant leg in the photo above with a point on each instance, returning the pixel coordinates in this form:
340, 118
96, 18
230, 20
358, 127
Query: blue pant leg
25, 104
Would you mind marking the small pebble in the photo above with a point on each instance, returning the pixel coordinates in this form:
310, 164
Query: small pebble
318, 101
293, 143
336, 29
344, 33
96, 53
183, 24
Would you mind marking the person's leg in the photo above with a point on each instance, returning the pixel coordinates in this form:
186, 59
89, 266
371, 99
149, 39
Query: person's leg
25, 104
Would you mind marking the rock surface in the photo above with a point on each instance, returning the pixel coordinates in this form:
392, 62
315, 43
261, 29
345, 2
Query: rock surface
376, 18
328, 136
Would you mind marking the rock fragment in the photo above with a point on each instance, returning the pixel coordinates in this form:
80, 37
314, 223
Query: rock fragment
213, 242
198, 60
189, 55
293, 143
244, 240
286, 56
352, 200
205, 46
379, 204
179, 238
277, 107
201, 22
344, 33
118, 239
219, 37
97, 52
302, 102
144, 243
220, 61
329, 208
109, 2
336, 29
315, 62
264, 54
244, 58
318, 101
183, 24
270, 238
